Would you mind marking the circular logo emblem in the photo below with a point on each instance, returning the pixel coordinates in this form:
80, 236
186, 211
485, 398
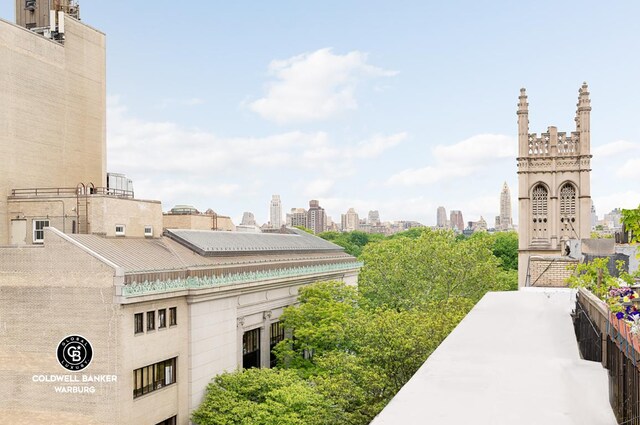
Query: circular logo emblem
74, 353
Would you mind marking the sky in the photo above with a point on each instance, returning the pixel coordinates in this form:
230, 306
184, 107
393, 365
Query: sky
397, 106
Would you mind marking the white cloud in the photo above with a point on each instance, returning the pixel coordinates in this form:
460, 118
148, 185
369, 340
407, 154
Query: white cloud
176, 164
377, 145
318, 188
461, 159
615, 148
626, 199
314, 86
630, 169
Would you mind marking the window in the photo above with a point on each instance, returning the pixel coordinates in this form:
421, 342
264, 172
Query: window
162, 318
137, 323
148, 231
277, 335
151, 322
251, 349
567, 200
173, 316
171, 421
38, 230
120, 229
153, 377
539, 208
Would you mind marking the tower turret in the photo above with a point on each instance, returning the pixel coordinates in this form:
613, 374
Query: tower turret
523, 124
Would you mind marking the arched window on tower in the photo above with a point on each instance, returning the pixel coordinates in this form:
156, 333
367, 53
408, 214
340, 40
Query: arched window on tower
567, 211
539, 211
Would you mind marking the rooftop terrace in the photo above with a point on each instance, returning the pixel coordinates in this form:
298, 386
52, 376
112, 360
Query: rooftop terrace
514, 359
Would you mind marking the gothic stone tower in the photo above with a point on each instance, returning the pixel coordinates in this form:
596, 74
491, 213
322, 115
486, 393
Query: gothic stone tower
554, 186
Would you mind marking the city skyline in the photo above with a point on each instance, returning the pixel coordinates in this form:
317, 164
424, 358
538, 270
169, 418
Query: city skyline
378, 130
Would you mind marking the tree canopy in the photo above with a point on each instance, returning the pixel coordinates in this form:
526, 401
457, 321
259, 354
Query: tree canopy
349, 350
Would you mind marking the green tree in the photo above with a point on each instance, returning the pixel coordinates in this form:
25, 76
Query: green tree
360, 356
404, 273
505, 247
631, 220
267, 397
320, 323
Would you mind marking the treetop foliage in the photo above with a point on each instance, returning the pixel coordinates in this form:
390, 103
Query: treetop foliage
350, 350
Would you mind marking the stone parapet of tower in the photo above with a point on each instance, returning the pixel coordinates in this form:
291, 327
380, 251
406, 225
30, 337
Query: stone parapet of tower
554, 183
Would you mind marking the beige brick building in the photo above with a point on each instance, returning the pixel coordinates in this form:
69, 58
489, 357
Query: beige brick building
87, 268
163, 316
554, 186
53, 104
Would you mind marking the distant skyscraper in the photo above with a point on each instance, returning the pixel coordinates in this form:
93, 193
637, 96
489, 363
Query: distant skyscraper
248, 219
373, 218
275, 212
298, 217
457, 222
316, 220
594, 216
506, 222
441, 220
350, 221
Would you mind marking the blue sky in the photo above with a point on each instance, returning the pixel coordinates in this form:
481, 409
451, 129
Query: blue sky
396, 106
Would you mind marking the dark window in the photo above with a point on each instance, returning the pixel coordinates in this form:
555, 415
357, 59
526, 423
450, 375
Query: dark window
162, 318
173, 316
171, 421
277, 335
137, 323
38, 230
151, 320
153, 377
251, 349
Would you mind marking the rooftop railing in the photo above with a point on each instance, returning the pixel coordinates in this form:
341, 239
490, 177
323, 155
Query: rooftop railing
604, 338
70, 191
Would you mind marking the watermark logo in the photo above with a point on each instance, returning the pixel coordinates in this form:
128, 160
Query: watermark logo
74, 353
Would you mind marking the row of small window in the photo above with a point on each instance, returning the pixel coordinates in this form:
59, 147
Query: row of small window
39, 225
153, 377
121, 230
138, 320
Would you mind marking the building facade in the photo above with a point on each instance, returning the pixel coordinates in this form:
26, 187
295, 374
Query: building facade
350, 221
163, 317
441, 218
275, 212
54, 107
505, 220
456, 220
554, 185
373, 218
316, 217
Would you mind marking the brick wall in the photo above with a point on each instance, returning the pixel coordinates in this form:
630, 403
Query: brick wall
550, 271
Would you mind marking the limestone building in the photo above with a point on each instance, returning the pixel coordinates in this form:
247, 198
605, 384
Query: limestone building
297, 217
554, 186
504, 220
164, 311
456, 220
350, 221
275, 212
52, 110
163, 316
441, 218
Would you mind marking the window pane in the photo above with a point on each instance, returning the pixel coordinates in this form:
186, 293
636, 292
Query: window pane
138, 324
162, 318
173, 316
151, 315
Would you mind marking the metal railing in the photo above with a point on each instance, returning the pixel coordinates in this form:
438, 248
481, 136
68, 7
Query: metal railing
589, 337
73, 191
620, 358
